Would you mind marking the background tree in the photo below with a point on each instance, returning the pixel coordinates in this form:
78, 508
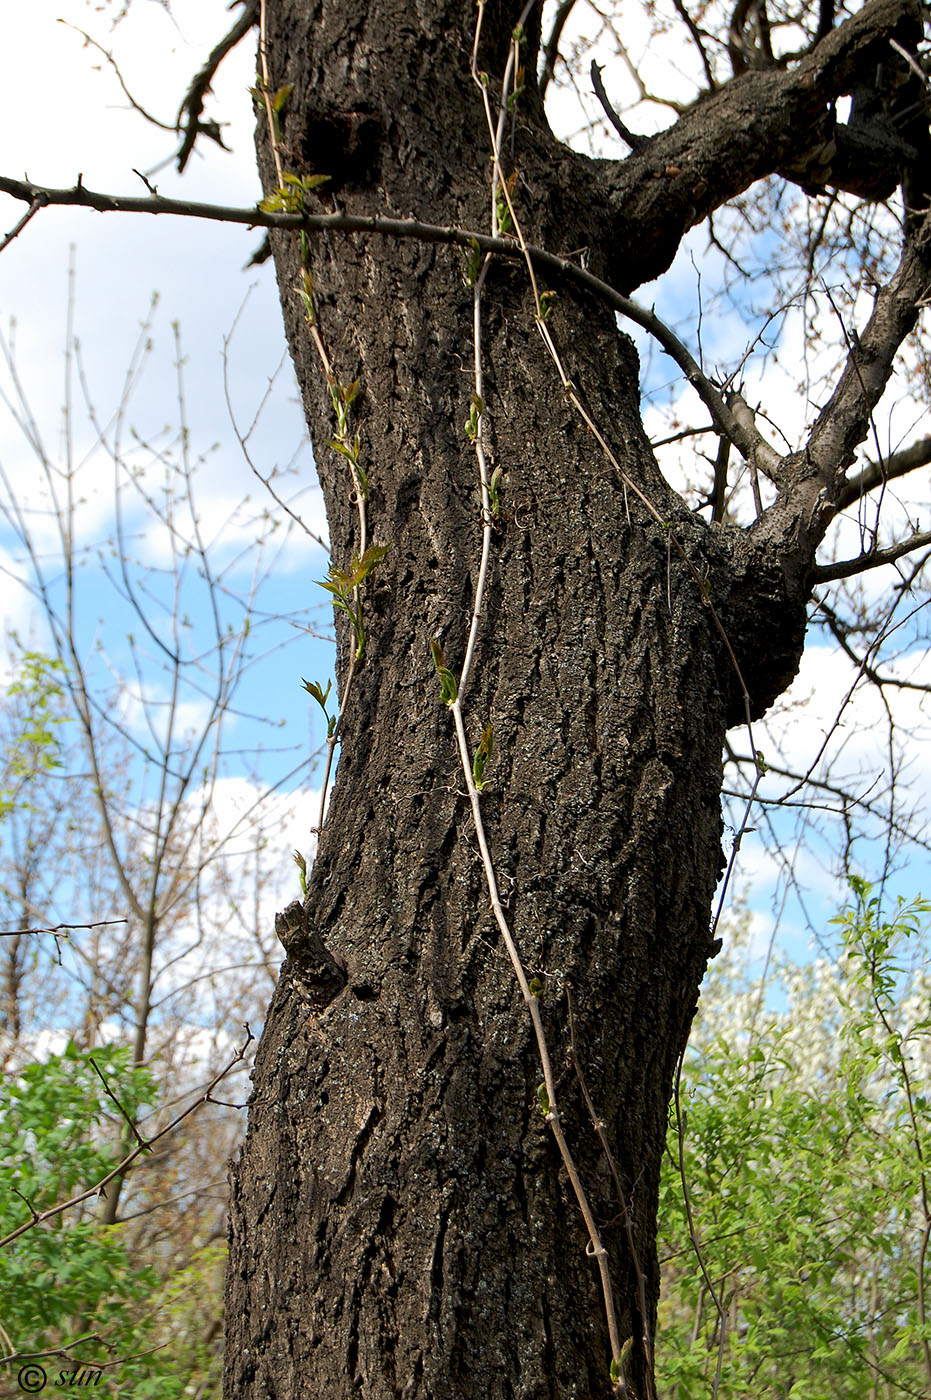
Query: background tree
401, 1221
136, 867
134, 818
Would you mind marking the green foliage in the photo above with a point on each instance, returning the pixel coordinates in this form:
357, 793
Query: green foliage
494, 491
502, 207
315, 689
301, 862
344, 585
476, 408
37, 697
70, 1277
188, 1298
290, 195
806, 1140
342, 397
473, 262
306, 292
618, 1363
277, 102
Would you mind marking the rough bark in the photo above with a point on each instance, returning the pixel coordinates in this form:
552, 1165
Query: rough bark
401, 1224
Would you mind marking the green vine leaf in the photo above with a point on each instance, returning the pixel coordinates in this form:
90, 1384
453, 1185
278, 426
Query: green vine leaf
482, 755
494, 491
306, 293
364, 566
315, 689
476, 408
343, 584
473, 262
289, 197
449, 690
301, 864
350, 452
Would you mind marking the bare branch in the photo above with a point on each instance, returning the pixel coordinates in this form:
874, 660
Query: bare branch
58, 928
844, 421
114, 1100
37, 204
841, 634
193, 104
756, 125
843, 794
696, 34
136, 106
551, 47
887, 469
871, 559
635, 142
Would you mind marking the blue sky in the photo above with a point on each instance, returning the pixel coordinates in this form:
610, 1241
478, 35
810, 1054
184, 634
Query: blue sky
229, 325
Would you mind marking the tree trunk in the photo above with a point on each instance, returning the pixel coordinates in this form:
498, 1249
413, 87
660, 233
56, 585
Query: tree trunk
401, 1222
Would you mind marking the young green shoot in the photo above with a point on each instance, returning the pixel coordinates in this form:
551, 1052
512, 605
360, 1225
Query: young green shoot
448, 687
482, 755
301, 864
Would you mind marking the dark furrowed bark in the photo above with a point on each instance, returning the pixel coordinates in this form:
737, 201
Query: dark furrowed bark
401, 1224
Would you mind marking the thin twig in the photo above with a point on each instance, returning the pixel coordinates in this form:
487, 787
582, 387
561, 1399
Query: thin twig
37, 204
58, 928
243, 439
333, 383
695, 32
113, 1099
549, 1104
761, 454
686, 1196
635, 142
136, 106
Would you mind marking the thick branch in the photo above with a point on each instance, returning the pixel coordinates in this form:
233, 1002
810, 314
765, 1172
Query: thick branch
844, 421
805, 508
635, 142
888, 469
758, 124
551, 48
